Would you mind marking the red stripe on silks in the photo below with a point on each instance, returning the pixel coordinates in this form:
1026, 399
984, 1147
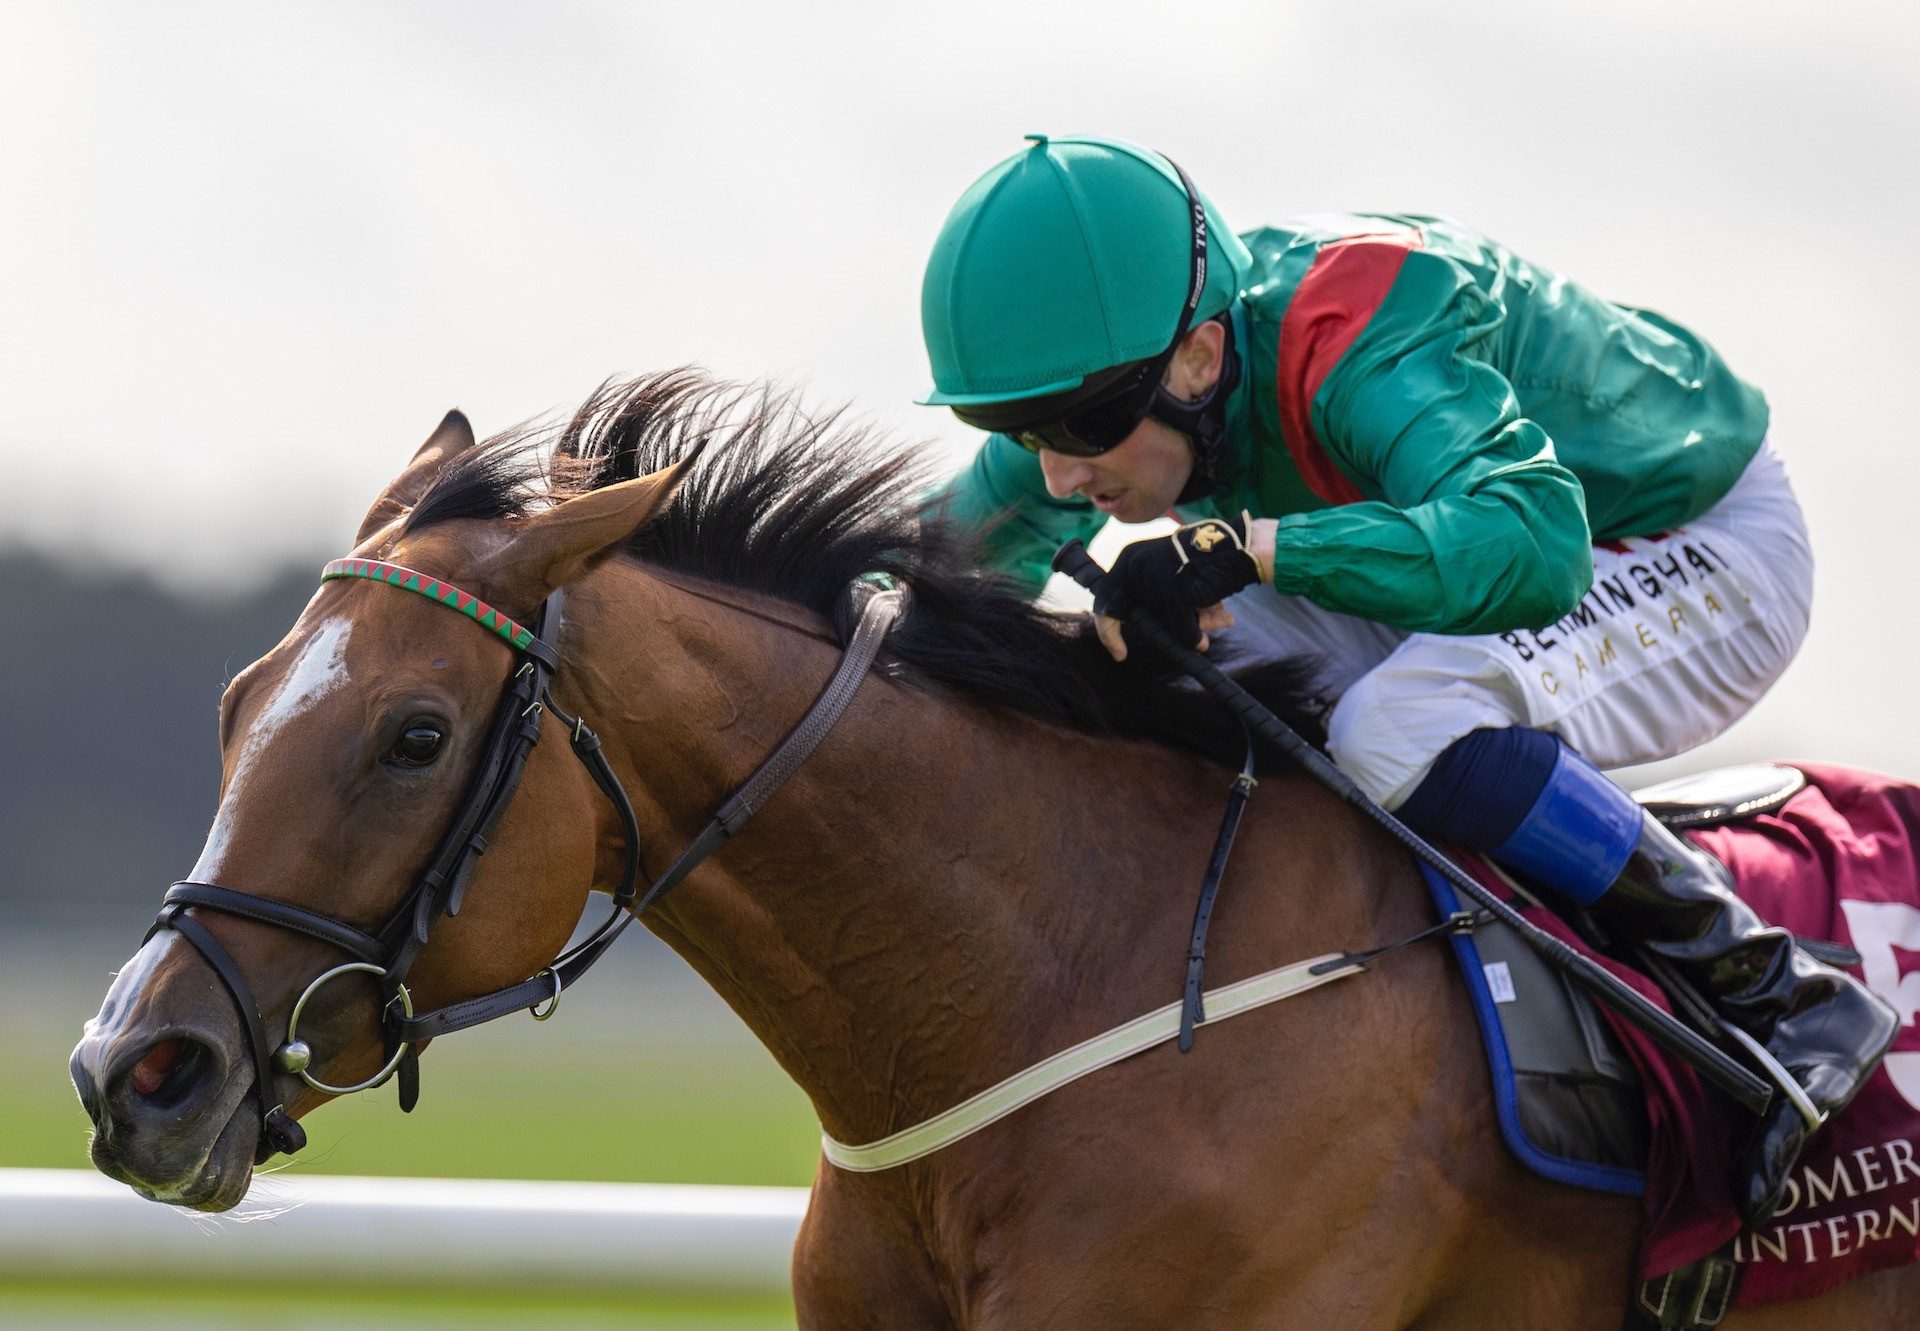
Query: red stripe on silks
1331, 307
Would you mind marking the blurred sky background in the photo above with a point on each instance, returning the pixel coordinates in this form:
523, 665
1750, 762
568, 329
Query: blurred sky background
249, 253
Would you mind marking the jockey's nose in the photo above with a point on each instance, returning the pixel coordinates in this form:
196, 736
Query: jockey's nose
1064, 475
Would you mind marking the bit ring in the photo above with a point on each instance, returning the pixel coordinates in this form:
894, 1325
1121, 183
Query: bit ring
293, 1039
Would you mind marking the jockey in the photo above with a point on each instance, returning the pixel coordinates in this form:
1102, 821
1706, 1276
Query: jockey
1531, 533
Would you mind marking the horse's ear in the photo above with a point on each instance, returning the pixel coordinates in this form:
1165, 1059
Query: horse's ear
555, 546
453, 437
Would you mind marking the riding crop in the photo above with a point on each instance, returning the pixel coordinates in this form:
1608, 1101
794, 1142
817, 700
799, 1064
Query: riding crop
1747, 1088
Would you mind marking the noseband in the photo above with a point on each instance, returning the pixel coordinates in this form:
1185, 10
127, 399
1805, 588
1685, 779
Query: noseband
389, 953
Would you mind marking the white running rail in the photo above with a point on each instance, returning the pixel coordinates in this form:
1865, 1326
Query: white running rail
422, 1232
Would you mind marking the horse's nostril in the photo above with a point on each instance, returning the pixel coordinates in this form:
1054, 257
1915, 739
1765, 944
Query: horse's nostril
152, 1070
168, 1072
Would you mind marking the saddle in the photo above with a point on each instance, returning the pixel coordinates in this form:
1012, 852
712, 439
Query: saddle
1571, 1102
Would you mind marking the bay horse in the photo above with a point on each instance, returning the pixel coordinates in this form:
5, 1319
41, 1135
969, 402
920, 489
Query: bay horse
991, 857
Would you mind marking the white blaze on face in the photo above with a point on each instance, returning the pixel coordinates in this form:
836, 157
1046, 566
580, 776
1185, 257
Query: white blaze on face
320, 668
128, 983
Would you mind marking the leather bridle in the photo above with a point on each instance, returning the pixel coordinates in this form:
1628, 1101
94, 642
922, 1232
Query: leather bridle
389, 953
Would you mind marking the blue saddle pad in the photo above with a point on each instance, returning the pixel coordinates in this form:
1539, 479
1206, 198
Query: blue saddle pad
1569, 1103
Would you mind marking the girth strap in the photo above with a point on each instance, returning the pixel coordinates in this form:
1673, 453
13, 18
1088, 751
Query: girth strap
1071, 1064
876, 618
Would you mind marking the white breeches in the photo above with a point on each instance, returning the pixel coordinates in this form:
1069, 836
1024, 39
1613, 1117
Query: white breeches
1679, 636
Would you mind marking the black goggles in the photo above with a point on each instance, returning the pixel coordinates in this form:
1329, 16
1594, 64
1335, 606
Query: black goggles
1088, 421
1097, 416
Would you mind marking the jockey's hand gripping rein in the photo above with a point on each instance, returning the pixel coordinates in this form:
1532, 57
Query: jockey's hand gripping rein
1174, 579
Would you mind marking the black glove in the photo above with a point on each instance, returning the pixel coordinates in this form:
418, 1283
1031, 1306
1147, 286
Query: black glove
1175, 578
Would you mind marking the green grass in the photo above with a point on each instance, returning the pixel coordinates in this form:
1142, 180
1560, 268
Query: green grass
670, 1116
290, 1308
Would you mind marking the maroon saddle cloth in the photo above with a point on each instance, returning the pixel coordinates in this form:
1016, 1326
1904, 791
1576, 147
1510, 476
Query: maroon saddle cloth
1839, 861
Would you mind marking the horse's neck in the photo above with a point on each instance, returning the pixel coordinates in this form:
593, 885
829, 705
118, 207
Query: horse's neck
941, 895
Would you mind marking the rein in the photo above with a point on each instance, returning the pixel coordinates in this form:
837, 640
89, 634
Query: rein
390, 953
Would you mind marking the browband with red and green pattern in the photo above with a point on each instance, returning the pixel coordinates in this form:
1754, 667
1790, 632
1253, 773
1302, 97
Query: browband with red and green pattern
396, 575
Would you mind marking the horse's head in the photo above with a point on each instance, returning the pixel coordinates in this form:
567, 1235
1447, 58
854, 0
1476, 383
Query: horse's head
347, 753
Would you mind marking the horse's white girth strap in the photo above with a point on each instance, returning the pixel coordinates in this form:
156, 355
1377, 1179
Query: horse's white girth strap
1069, 1065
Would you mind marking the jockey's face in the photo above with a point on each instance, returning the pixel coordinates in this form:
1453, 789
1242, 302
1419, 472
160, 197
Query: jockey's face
1135, 481
1138, 479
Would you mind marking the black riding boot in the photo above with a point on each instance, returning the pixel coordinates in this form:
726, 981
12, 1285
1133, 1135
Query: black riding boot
1824, 1027
1538, 807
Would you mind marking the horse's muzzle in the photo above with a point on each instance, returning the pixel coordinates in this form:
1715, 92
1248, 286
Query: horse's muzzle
163, 1093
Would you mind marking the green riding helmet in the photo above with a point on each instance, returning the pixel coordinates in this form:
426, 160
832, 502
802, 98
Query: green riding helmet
1068, 258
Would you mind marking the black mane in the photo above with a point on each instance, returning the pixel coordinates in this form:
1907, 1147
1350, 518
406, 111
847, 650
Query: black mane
797, 505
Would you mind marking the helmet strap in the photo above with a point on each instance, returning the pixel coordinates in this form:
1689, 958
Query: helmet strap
1203, 421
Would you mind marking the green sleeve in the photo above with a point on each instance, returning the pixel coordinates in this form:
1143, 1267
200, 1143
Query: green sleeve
1477, 528
1002, 495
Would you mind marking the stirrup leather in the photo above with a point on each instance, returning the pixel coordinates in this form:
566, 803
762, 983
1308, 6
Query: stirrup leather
1694, 1298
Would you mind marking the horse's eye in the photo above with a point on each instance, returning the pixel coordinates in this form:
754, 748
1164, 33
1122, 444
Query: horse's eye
418, 745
